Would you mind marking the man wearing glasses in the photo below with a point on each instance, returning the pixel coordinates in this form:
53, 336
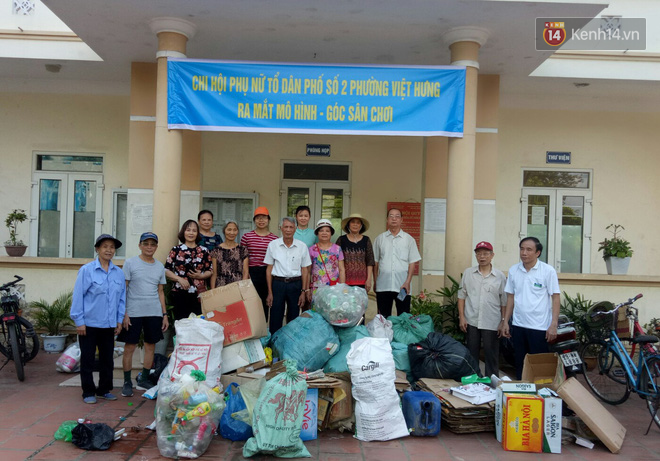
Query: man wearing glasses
396, 253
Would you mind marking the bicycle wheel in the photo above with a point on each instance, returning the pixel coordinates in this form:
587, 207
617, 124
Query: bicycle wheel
607, 379
32, 343
16, 352
31, 340
646, 384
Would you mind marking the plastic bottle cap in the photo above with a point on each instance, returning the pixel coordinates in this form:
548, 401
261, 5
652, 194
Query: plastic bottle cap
81, 420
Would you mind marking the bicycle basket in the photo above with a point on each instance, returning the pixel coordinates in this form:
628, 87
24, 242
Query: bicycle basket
596, 319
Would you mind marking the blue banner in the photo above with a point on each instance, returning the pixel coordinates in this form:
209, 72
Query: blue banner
321, 99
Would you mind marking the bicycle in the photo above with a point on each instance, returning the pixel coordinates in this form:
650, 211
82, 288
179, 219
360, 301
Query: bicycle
615, 375
18, 340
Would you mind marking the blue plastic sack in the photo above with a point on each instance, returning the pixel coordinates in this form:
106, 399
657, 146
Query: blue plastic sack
230, 428
337, 362
308, 339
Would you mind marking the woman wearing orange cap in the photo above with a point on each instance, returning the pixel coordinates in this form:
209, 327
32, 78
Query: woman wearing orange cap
256, 241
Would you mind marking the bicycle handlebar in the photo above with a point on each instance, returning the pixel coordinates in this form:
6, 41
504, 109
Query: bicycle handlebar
618, 306
11, 284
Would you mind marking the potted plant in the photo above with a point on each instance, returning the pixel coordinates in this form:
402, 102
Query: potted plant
616, 251
52, 317
13, 246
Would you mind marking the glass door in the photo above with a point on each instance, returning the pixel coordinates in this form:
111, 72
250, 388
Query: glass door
68, 215
561, 220
327, 199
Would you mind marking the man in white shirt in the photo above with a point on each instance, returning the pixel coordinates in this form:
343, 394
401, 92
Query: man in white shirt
396, 253
287, 273
481, 306
532, 290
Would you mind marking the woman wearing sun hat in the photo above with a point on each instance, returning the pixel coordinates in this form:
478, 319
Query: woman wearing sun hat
327, 259
358, 252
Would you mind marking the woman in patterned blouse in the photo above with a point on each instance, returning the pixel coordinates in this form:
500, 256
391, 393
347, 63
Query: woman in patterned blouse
188, 266
230, 260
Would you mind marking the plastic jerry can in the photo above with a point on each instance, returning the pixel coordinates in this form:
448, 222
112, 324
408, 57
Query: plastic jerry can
422, 413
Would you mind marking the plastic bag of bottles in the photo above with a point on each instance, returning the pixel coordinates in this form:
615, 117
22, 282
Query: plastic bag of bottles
341, 305
187, 411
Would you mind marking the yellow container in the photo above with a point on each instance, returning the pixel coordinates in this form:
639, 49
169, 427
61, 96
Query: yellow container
523, 423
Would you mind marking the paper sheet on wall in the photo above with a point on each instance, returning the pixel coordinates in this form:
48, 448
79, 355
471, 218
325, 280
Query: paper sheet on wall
435, 214
141, 218
538, 215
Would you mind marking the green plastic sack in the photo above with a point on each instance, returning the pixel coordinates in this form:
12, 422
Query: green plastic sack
401, 359
277, 417
410, 329
64, 431
337, 362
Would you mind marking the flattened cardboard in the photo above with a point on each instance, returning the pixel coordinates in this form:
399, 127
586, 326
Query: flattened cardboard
606, 427
544, 370
241, 354
237, 307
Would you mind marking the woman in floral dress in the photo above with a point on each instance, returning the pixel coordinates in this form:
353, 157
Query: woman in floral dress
230, 260
327, 259
188, 265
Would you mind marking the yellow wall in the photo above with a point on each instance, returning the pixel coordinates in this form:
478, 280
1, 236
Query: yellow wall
620, 148
383, 168
59, 123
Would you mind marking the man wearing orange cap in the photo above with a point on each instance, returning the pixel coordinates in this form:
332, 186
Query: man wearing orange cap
481, 306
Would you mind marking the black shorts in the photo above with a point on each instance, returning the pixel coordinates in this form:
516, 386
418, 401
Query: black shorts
152, 326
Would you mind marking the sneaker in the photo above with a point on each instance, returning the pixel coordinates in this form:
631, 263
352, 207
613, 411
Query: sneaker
127, 390
143, 384
109, 396
90, 399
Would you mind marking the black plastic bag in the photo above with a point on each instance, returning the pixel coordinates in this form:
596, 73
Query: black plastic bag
160, 363
93, 436
440, 356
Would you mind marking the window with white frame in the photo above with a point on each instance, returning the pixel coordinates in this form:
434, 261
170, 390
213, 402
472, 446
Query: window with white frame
66, 204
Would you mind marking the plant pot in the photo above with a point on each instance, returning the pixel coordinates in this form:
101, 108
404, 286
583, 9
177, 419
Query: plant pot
15, 250
53, 344
617, 266
589, 362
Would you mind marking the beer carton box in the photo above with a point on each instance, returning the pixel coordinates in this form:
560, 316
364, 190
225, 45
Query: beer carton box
522, 429
551, 421
512, 388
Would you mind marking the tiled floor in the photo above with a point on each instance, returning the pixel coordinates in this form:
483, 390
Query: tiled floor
31, 411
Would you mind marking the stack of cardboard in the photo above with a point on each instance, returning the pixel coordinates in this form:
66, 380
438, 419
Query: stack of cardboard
458, 415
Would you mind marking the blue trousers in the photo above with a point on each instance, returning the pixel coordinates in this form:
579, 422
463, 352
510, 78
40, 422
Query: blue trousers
527, 341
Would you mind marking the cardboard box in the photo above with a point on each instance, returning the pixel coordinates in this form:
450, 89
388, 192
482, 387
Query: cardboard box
241, 354
544, 370
238, 378
522, 428
551, 421
511, 387
593, 413
310, 415
237, 307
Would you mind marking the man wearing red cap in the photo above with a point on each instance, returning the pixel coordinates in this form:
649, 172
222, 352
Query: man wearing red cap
481, 306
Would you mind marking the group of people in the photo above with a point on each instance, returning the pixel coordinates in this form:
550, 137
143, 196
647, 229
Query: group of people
286, 272
486, 301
